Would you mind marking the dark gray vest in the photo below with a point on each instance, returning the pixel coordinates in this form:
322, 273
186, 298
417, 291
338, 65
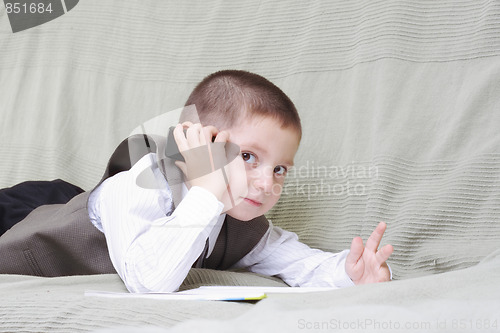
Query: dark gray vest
60, 240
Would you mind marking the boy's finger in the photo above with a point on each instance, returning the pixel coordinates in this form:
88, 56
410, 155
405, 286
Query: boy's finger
180, 138
193, 136
374, 240
222, 136
210, 132
384, 253
356, 251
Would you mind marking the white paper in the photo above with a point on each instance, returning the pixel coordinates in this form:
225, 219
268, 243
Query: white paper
211, 293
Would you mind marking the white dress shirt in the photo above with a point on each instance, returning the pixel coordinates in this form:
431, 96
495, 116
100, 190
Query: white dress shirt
153, 247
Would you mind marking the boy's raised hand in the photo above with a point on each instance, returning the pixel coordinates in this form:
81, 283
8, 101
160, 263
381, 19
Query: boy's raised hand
366, 264
199, 166
215, 166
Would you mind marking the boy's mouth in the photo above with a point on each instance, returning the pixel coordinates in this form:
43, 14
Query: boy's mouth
253, 202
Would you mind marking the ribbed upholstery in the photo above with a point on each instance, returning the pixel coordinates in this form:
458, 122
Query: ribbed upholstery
399, 102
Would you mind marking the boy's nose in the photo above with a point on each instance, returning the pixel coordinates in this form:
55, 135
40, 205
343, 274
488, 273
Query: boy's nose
264, 181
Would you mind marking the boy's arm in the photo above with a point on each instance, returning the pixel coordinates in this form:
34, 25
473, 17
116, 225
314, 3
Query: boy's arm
280, 253
150, 250
154, 252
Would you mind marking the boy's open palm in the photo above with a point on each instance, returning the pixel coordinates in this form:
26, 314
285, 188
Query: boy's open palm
366, 264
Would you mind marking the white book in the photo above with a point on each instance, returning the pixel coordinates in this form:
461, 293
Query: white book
212, 293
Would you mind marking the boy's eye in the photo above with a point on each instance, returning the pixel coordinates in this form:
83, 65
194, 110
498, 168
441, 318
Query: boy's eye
249, 158
280, 170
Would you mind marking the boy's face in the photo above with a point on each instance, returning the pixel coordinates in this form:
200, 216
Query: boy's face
267, 151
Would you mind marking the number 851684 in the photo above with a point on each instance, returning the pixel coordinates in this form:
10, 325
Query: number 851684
28, 8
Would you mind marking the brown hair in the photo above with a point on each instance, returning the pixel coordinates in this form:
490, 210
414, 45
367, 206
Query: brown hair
225, 97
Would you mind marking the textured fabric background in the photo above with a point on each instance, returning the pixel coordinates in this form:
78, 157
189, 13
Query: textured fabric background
33, 304
400, 104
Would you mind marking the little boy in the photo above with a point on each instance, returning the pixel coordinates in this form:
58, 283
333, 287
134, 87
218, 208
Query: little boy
151, 228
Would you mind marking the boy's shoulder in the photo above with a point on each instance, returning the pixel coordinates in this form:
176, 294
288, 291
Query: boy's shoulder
132, 150
129, 152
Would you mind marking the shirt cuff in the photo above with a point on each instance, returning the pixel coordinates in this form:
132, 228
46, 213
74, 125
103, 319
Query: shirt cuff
197, 208
343, 280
